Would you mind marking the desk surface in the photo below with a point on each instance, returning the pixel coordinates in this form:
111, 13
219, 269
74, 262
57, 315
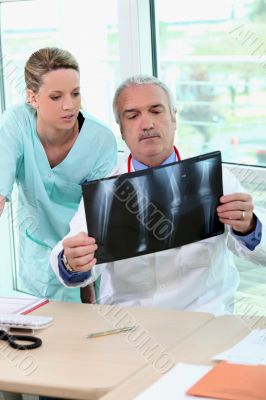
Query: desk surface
70, 366
118, 366
217, 335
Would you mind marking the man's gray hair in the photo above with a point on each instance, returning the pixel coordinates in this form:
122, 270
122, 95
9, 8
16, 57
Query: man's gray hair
143, 80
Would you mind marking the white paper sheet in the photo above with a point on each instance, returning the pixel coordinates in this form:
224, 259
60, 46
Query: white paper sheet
250, 350
19, 305
173, 384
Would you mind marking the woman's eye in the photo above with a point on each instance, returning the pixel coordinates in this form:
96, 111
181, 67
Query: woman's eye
76, 94
55, 98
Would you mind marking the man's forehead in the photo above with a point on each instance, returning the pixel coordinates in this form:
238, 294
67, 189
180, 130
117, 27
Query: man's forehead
139, 96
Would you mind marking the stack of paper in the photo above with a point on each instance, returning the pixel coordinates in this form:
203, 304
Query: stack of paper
242, 377
250, 350
226, 380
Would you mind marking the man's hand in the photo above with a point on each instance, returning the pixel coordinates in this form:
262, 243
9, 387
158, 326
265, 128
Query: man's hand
237, 211
79, 251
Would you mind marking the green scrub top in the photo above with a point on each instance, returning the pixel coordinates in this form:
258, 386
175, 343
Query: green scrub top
47, 197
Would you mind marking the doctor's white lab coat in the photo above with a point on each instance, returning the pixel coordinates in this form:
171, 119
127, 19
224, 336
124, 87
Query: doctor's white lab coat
199, 277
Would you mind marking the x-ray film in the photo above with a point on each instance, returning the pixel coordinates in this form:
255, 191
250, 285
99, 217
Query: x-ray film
154, 209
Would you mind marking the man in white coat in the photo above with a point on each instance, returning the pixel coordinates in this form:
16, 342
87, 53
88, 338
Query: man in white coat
200, 276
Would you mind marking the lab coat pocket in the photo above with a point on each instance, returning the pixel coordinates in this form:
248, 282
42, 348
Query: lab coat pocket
197, 255
206, 255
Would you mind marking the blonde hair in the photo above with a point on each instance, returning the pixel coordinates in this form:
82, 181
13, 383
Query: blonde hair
45, 60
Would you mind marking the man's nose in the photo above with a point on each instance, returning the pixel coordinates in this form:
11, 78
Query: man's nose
147, 122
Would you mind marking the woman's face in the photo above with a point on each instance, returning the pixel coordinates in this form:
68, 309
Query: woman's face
58, 100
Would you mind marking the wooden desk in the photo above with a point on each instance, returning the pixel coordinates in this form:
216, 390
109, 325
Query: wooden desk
70, 366
212, 338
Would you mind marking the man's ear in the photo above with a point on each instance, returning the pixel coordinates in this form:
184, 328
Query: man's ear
122, 135
173, 117
32, 98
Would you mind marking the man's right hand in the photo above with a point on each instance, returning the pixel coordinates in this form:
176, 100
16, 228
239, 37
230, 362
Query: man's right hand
79, 251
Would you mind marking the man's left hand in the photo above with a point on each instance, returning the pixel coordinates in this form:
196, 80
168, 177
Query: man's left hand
236, 210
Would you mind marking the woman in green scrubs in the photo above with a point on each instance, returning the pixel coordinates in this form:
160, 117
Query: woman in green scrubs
49, 146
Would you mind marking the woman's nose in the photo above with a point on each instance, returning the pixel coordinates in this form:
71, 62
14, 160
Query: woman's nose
68, 103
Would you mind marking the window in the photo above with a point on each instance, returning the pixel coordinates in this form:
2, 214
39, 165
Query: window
213, 55
70, 25
7, 272
109, 38
250, 297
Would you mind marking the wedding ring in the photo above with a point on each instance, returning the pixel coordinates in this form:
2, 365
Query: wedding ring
243, 215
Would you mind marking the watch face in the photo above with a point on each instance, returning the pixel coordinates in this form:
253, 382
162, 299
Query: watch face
154, 209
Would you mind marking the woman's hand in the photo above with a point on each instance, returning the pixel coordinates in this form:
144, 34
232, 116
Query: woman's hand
2, 203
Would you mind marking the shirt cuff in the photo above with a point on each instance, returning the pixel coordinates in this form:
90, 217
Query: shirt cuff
251, 240
70, 277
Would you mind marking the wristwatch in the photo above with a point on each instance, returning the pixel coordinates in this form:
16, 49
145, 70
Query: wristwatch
66, 264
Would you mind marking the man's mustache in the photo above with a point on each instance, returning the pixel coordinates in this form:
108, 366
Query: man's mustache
148, 133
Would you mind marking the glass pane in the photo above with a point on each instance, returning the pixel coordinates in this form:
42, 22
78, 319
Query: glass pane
250, 297
6, 281
79, 26
213, 55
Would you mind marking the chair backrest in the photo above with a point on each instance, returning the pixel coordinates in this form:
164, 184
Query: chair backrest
87, 294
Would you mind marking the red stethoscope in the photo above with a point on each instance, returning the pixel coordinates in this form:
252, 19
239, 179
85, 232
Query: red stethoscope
130, 159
